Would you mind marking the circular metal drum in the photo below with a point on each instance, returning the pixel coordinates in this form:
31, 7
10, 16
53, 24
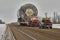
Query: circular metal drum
27, 11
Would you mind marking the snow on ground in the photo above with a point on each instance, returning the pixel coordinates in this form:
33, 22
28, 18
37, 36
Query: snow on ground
2, 30
56, 25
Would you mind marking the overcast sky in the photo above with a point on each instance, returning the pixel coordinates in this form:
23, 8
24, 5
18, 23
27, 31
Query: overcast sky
9, 8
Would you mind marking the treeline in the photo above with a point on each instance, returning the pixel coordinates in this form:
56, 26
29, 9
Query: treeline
1, 22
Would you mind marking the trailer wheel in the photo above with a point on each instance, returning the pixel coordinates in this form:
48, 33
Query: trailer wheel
47, 27
30, 24
51, 27
42, 27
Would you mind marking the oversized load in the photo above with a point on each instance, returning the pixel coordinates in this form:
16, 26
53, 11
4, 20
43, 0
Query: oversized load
27, 10
28, 15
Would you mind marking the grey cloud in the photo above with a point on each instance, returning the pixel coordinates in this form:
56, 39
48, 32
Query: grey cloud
9, 8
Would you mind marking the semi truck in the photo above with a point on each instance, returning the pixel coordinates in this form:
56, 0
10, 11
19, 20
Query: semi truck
27, 15
46, 23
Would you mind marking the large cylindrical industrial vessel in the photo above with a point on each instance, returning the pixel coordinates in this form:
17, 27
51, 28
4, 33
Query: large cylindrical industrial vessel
27, 14
27, 11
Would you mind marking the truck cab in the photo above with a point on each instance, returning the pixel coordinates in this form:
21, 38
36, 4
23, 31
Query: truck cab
34, 22
46, 23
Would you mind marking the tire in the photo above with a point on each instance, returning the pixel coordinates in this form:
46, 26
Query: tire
51, 27
30, 24
39, 27
42, 27
47, 27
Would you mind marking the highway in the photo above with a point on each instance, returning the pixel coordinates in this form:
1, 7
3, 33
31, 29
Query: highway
34, 33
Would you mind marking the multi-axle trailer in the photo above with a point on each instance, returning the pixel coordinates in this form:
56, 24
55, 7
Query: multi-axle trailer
27, 15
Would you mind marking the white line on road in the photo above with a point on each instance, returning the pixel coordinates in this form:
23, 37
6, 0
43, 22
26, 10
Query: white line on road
27, 35
12, 36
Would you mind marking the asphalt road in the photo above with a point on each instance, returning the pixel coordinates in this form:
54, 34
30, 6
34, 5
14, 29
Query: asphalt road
34, 33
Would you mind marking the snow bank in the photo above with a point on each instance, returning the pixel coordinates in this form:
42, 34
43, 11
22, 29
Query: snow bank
56, 25
2, 30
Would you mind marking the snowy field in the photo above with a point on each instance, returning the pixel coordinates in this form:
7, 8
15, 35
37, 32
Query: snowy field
56, 25
2, 30
5, 35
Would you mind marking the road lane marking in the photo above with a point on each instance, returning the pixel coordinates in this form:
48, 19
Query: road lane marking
27, 35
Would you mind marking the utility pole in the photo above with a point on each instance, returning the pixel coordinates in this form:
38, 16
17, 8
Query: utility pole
54, 19
59, 19
46, 14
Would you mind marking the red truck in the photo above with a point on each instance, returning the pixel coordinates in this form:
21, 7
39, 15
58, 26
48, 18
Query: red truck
34, 22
